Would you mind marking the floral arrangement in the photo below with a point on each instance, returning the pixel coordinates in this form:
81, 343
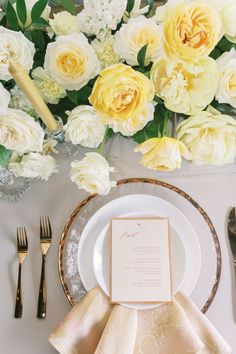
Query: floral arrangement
120, 67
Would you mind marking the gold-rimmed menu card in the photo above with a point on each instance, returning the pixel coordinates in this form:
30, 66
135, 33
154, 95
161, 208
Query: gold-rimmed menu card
140, 261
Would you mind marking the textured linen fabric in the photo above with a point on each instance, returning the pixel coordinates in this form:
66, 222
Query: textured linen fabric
96, 327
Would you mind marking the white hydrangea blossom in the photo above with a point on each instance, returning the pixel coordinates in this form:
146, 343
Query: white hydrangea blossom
4, 99
101, 15
105, 50
19, 101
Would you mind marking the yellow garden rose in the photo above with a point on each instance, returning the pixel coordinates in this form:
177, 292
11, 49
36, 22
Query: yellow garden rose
163, 154
191, 30
120, 92
185, 87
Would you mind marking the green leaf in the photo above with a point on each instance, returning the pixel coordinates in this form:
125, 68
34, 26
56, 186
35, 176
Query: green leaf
225, 45
73, 96
158, 100
130, 5
216, 53
38, 39
150, 3
154, 128
21, 11
223, 107
83, 95
67, 5
40, 23
28, 35
141, 55
37, 10
60, 109
5, 155
11, 17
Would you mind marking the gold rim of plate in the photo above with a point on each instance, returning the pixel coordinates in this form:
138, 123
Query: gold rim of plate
162, 184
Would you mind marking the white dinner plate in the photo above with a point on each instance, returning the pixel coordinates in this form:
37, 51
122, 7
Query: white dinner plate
93, 250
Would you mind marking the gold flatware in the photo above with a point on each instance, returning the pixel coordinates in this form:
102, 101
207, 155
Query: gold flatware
45, 242
22, 248
232, 233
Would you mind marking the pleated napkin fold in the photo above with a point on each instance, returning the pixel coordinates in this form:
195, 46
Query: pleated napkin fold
95, 327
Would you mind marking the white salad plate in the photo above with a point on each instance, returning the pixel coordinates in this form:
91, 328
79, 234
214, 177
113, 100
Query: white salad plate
93, 251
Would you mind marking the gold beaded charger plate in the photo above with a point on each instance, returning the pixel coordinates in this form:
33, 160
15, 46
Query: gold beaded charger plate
209, 277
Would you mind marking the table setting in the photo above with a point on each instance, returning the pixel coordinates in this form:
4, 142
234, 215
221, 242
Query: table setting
117, 177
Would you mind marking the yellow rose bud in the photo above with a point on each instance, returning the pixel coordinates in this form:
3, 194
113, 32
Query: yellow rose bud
163, 154
120, 92
191, 30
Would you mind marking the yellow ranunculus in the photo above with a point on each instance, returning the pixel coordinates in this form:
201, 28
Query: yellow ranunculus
163, 154
120, 92
210, 137
191, 30
185, 87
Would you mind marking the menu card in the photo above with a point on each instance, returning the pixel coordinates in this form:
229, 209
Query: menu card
140, 261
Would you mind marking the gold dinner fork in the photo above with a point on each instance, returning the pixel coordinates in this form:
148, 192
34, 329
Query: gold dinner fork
45, 242
22, 248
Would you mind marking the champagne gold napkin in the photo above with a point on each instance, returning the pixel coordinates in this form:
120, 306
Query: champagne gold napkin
95, 327
82, 328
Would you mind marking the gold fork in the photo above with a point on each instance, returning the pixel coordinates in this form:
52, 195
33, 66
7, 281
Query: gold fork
45, 242
22, 248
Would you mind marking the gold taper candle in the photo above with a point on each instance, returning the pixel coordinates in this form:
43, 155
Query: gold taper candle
27, 85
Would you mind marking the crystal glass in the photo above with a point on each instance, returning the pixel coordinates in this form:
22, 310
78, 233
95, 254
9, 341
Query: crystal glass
11, 187
65, 149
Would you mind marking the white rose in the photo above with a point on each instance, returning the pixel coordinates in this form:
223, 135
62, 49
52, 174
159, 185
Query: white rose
210, 137
136, 34
29, 5
4, 99
64, 23
84, 127
20, 132
227, 10
229, 23
71, 61
50, 90
34, 165
14, 45
92, 174
135, 123
226, 92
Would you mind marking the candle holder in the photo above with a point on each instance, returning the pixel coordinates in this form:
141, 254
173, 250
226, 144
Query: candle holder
65, 149
11, 187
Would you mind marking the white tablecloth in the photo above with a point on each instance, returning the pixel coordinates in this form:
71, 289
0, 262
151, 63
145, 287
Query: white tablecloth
213, 188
